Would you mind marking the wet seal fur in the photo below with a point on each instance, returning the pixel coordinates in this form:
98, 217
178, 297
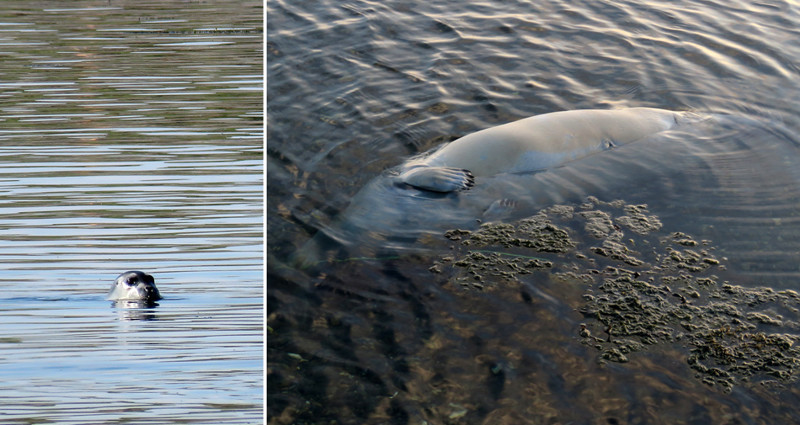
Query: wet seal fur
532, 144
134, 286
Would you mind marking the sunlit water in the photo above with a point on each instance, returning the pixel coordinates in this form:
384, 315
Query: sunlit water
131, 140
354, 89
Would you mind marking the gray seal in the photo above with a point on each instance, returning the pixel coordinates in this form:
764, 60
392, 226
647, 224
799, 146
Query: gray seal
134, 286
533, 144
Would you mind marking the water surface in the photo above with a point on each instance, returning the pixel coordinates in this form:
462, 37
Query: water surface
131, 140
372, 336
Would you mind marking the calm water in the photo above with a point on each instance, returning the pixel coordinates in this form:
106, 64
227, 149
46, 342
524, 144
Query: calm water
131, 138
375, 337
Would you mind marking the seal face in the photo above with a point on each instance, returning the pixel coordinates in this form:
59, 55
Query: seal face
134, 286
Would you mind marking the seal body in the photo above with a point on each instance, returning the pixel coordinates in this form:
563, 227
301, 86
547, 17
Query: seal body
134, 286
532, 144
493, 174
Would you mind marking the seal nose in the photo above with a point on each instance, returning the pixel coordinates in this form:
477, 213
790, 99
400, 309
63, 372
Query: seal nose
151, 293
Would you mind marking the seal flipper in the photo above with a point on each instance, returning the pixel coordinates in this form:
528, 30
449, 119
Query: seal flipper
438, 179
499, 210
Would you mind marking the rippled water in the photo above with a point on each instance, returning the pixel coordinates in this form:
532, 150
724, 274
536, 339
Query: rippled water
131, 137
354, 89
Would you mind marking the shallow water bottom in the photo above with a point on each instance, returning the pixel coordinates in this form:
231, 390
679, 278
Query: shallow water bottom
587, 313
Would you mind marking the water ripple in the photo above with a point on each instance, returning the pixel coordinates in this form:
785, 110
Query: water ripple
356, 88
120, 153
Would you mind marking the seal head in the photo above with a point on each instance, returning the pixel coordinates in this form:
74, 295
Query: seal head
134, 286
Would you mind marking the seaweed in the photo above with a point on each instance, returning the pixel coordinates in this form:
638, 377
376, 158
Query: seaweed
643, 287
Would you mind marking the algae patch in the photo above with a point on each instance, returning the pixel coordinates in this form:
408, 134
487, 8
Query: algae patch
643, 287
488, 260
537, 233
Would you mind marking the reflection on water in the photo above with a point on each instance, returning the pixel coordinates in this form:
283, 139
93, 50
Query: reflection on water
136, 310
131, 139
369, 334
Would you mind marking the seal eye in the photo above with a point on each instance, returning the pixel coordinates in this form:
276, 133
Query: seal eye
130, 282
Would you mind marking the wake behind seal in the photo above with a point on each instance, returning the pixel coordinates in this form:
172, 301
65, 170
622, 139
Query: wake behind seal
135, 286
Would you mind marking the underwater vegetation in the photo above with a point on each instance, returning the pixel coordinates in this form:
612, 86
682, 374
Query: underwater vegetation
643, 287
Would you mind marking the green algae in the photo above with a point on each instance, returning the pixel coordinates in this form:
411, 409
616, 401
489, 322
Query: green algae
643, 288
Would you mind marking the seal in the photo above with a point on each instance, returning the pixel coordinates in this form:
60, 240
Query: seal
533, 144
134, 286
490, 175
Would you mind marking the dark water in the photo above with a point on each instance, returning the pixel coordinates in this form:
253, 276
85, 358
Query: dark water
374, 337
131, 137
